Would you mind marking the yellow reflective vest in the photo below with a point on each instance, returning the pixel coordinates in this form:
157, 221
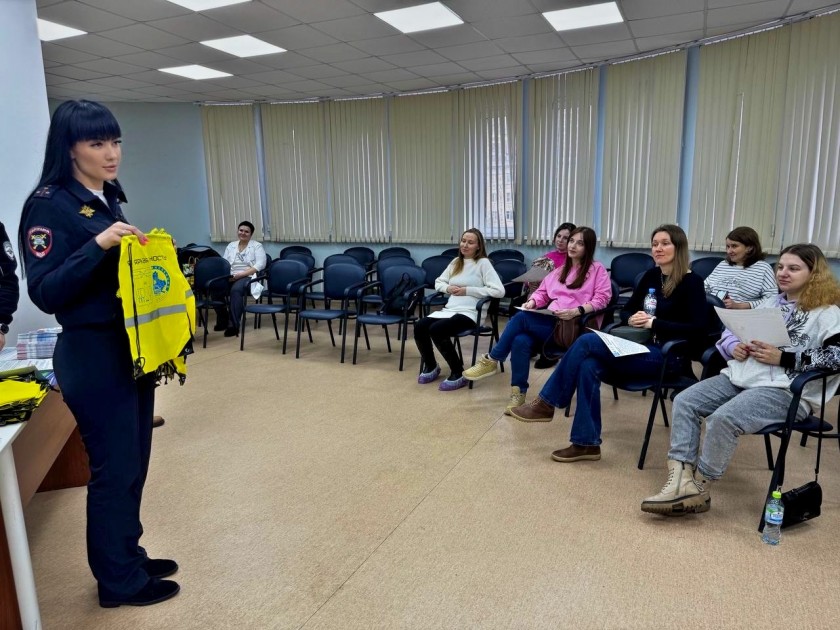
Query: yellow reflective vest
158, 305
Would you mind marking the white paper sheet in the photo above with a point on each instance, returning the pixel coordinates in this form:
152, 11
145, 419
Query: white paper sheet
762, 324
620, 347
534, 274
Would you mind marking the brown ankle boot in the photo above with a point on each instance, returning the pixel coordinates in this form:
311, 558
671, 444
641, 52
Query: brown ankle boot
535, 411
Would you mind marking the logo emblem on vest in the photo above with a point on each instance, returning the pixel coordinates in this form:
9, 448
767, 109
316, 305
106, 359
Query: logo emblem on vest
87, 211
40, 241
160, 280
7, 247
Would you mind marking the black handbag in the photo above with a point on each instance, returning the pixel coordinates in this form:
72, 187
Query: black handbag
802, 503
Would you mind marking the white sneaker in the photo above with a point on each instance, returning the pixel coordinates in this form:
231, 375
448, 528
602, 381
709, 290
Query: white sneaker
516, 398
680, 495
484, 368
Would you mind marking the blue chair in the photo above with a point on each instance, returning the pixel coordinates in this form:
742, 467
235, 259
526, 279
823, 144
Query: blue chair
434, 266
626, 268
391, 277
285, 279
341, 283
211, 280
374, 299
505, 254
452, 252
704, 266
294, 249
333, 259
394, 251
364, 255
515, 294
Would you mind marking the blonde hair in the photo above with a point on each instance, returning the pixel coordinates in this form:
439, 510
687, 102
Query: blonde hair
822, 288
680, 266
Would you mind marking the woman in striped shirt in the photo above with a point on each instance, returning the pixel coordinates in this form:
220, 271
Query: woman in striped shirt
743, 279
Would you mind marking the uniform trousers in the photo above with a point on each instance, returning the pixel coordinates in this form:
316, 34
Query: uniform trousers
114, 411
730, 412
439, 331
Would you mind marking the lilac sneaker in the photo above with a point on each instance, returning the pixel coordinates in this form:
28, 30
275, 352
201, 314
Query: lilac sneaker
451, 386
428, 377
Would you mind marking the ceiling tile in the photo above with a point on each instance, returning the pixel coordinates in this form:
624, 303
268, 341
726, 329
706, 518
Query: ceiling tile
109, 66
664, 41
412, 84
79, 74
345, 80
716, 4
664, 25
319, 71
514, 26
470, 51
310, 11
756, 13
233, 82
196, 27
274, 77
234, 65
390, 76
388, 45
145, 37
368, 64
800, 6
149, 60
276, 92
532, 42
125, 83
306, 86
545, 56
473, 10
359, 27
554, 67
55, 79
251, 17
488, 63
503, 73
297, 37
121, 95
336, 52
437, 69
86, 87
419, 58
336, 92
141, 11
449, 36
371, 88
604, 52
195, 53
456, 79
375, 6
155, 76
82, 16
643, 9
596, 35
287, 60
164, 90
62, 54
99, 46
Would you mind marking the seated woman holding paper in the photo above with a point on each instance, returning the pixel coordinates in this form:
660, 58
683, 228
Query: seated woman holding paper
743, 280
581, 285
754, 390
680, 314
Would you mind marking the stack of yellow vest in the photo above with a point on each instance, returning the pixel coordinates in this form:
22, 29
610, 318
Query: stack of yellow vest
21, 391
158, 305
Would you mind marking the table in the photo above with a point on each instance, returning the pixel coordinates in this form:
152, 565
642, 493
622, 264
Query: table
30, 615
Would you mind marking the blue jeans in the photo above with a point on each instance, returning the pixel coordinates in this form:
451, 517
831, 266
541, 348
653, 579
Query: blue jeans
581, 369
523, 332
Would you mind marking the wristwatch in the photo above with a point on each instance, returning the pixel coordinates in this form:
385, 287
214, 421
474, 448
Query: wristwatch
4, 329
581, 310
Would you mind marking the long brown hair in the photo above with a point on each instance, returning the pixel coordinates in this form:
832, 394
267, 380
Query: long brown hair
481, 253
681, 266
590, 241
822, 288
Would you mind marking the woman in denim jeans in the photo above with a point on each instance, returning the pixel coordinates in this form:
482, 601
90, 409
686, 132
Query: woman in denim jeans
754, 390
680, 314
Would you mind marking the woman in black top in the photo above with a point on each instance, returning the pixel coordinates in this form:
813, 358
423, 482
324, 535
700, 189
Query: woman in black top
70, 234
680, 314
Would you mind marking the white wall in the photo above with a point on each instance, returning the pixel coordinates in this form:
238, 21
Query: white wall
23, 110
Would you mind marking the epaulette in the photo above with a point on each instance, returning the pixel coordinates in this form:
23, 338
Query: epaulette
45, 192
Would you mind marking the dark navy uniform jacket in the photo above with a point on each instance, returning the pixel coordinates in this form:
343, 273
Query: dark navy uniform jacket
9, 289
67, 273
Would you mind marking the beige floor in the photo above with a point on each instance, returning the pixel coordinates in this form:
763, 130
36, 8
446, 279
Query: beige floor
309, 494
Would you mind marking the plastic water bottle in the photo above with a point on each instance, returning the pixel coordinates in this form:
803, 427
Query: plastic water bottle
649, 304
774, 514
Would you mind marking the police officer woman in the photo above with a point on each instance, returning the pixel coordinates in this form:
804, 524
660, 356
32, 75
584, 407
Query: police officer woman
70, 234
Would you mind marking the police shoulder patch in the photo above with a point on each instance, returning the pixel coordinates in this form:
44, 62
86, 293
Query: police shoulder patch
40, 240
45, 192
10, 252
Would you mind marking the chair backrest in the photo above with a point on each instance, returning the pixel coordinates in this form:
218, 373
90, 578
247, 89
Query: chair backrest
208, 268
335, 259
383, 264
340, 276
388, 252
364, 255
294, 249
306, 259
713, 324
451, 252
192, 253
283, 272
703, 267
505, 254
434, 266
392, 275
509, 268
626, 267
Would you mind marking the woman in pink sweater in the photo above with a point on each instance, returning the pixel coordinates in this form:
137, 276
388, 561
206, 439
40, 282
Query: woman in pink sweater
580, 286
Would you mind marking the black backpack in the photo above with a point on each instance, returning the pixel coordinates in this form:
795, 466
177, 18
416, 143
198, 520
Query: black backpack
394, 302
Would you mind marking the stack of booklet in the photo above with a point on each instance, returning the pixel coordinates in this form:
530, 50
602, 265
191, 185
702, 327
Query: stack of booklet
37, 344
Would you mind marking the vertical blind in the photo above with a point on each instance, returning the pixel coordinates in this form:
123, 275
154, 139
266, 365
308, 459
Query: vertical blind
642, 139
230, 155
562, 137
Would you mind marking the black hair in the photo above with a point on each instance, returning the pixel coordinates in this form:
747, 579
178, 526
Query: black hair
561, 227
248, 225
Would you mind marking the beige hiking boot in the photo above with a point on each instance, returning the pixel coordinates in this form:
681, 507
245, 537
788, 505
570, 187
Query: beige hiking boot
484, 368
680, 495
516, 398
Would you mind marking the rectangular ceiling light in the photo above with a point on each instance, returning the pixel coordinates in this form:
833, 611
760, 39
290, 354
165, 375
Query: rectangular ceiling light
196, 72
49, 31
422, 17
244, 46
584, 17
204, 5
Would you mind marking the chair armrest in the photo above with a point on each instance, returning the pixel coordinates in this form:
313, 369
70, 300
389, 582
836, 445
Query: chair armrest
217, 280
807, 376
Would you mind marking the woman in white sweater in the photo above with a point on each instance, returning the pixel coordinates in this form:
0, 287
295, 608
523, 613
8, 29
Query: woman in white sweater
468, 278
743, 279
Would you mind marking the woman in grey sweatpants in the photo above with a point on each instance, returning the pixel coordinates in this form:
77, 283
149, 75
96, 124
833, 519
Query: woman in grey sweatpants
754, 390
